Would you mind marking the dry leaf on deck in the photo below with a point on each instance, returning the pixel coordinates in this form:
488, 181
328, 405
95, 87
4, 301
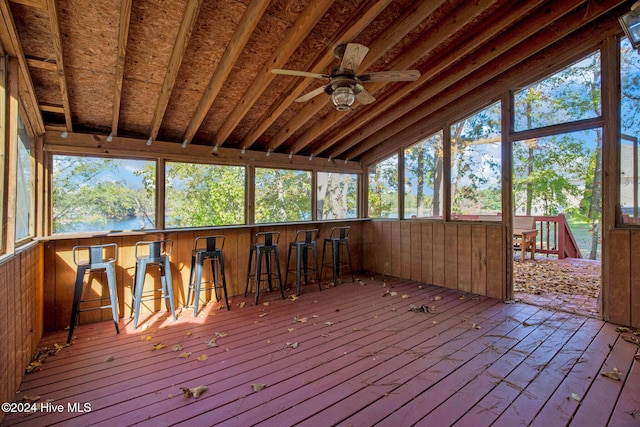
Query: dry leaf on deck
622, 329
405, 296
575, 397
422, 308
193, 392
188, 333
300, 319
158, 346
258, 386
220, 334
203, 357
393, 293
291, 329
329, 323
265, 303
632, 340
108, 359
211, 343
241, 304
184, 354
291, 345
437, 298
293, 297
614, 375
475, 326
263, 314
146, 338
30, 398
177, 347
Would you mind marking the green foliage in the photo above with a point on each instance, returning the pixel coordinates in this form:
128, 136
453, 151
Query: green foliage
282, 195
383, 189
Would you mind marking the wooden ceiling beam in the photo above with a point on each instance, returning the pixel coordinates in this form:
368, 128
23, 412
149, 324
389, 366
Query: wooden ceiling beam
123, 37
323, 59
51, 108
307, 20
456, 22
42, 64
516, 54
410, 19
177, 55
38, 4
476, 55
12, 47
252, 15
56, 39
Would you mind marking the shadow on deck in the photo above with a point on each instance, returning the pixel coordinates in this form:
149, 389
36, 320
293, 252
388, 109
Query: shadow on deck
569, 284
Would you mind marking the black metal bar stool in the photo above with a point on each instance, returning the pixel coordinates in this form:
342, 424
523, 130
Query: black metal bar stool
304, 240
339, 237
265, 245
90, 259
206, 248
154, 253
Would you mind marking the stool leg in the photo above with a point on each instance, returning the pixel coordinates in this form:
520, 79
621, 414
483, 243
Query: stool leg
197, 284
77, 294
141, 271
113, 294
353, 277
224, 280
191, 283
246, 288
305, 263
299, 257
324, 247
214, 275
279, 273
291, 246
133, 290
169, 286
315, 257
258, 266
267, 260
335, 246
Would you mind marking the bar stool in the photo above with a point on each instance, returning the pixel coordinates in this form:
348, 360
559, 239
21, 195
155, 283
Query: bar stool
90, 259
304, 240
339, 236
265, 245
148, 254
206, 248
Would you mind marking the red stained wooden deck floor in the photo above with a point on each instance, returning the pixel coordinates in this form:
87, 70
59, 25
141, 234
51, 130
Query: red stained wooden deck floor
353, 355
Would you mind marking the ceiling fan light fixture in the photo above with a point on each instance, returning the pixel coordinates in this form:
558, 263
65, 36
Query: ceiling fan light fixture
343, 98
630, 23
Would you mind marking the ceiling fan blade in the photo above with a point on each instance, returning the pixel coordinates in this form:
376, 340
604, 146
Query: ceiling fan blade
391, 76
307, 96
354, 53
365, 97
299, 73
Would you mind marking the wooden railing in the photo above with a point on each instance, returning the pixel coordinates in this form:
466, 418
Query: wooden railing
555, 237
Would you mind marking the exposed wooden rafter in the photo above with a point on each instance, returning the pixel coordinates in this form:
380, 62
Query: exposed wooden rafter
56, 38
43, 64
123, 36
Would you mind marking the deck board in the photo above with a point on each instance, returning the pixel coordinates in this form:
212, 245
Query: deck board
363, 358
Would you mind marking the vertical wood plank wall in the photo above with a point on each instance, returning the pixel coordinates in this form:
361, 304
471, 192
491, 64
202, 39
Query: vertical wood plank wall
21, 327
623, 278
465, 256
61, 271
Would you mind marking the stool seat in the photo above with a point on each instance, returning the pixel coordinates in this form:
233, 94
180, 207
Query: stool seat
89, 259
304, 240
265, 246
152, 253
338, 237
207, 248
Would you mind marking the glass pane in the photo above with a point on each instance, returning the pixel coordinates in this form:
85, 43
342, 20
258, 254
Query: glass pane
199, 195
630, 132
282, 195
423, 167
476, 162
23, 183
383, 189
337, 195
569, 95
100, 194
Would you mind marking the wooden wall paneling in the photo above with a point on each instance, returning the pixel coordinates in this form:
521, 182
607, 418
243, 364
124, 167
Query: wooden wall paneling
619, 278
426, 252
387, 248
479, 259
181, 264
49, 285
39, 324
240, 258
405, 249
370, 231
396, 247
464, 256
7, 352
635, 280
65, 277
416, 251
451, 255
438, 254
125, 267
357, 246
496, 276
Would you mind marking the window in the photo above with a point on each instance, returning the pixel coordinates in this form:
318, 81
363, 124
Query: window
23, 184
101, 194
337, 195
570, 95
282, 195
476, 177
198, 195
423, 168
383, 189
630, 132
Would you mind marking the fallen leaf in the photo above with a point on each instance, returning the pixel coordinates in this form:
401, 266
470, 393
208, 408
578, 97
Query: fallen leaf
329, 323
632, 340
211, 343
185, 354
158, 346
170, 396
108, 359
575, 397
300, 319
188, 333
291, 345
220, 334
258, 386
241, 304
177, 347
614, 375
405, 296
146, 338
475, 326
291, 329
637, 356
30, 398
393, 293
265, 303
263, 314
203, 357
437, 298
193, 392
293, 297
422, 308
622, 329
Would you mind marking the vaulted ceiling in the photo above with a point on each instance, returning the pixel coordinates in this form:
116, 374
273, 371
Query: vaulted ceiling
198, 71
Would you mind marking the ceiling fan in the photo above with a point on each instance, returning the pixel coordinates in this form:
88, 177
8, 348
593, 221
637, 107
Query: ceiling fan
345, 85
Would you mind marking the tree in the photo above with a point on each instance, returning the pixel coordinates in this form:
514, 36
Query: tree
383, 188
282, 195
423, 166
